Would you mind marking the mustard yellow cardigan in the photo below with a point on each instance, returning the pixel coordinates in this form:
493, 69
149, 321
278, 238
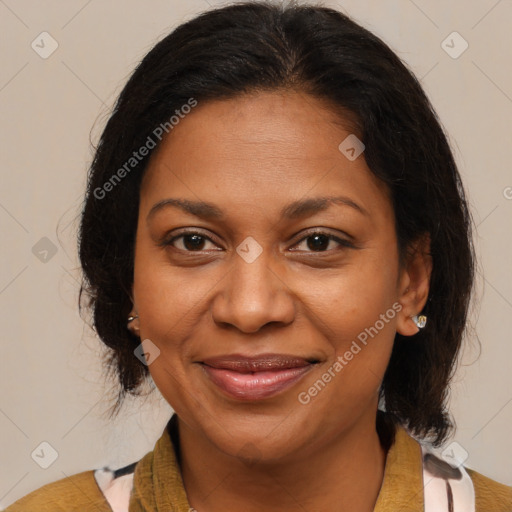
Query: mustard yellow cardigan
158, 487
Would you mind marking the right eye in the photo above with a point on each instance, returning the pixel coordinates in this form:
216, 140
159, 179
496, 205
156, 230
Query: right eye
190, 241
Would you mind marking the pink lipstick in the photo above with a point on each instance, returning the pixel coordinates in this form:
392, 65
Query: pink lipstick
255, 377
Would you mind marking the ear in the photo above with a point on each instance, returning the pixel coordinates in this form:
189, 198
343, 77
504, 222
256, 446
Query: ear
133, 325
131, 294
414, 284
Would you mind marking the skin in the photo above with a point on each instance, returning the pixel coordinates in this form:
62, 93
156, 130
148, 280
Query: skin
251, 156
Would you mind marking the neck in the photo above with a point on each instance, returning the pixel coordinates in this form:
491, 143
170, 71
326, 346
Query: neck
343, 475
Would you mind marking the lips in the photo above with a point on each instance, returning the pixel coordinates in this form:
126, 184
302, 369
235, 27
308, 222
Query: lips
255, 377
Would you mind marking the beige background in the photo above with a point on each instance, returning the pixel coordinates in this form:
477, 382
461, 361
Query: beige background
51, 374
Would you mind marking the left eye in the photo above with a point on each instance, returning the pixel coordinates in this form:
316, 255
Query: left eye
318, 242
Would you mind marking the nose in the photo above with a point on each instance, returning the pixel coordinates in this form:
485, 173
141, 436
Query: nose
253, 295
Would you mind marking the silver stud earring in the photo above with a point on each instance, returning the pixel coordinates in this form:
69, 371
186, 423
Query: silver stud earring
420, 321
134, 329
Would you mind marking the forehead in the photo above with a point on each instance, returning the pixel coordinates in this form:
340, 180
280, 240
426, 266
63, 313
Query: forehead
261, 149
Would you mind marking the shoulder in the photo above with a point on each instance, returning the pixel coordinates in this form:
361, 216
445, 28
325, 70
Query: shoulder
439, 468
79, 492
491, 496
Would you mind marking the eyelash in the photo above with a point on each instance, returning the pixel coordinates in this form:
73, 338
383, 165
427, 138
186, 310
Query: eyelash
340, 241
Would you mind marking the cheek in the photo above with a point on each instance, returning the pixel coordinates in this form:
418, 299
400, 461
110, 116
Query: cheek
167, 317
352, 299
165, 295
356, 311
164, 306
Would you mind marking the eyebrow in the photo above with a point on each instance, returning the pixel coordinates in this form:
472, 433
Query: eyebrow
295, 210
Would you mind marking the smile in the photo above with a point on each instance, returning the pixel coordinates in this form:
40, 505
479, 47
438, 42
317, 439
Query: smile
255, 378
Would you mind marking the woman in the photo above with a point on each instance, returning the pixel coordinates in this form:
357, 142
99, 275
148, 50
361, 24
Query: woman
244, 139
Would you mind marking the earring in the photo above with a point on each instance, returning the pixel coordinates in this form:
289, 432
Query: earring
134, 329
420, 321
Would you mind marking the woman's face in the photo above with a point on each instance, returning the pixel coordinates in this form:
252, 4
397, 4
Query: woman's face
270, 333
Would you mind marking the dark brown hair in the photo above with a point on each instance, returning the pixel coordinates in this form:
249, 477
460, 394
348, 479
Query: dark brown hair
259, 46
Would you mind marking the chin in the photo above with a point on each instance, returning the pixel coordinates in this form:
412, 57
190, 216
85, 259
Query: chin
259, 438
